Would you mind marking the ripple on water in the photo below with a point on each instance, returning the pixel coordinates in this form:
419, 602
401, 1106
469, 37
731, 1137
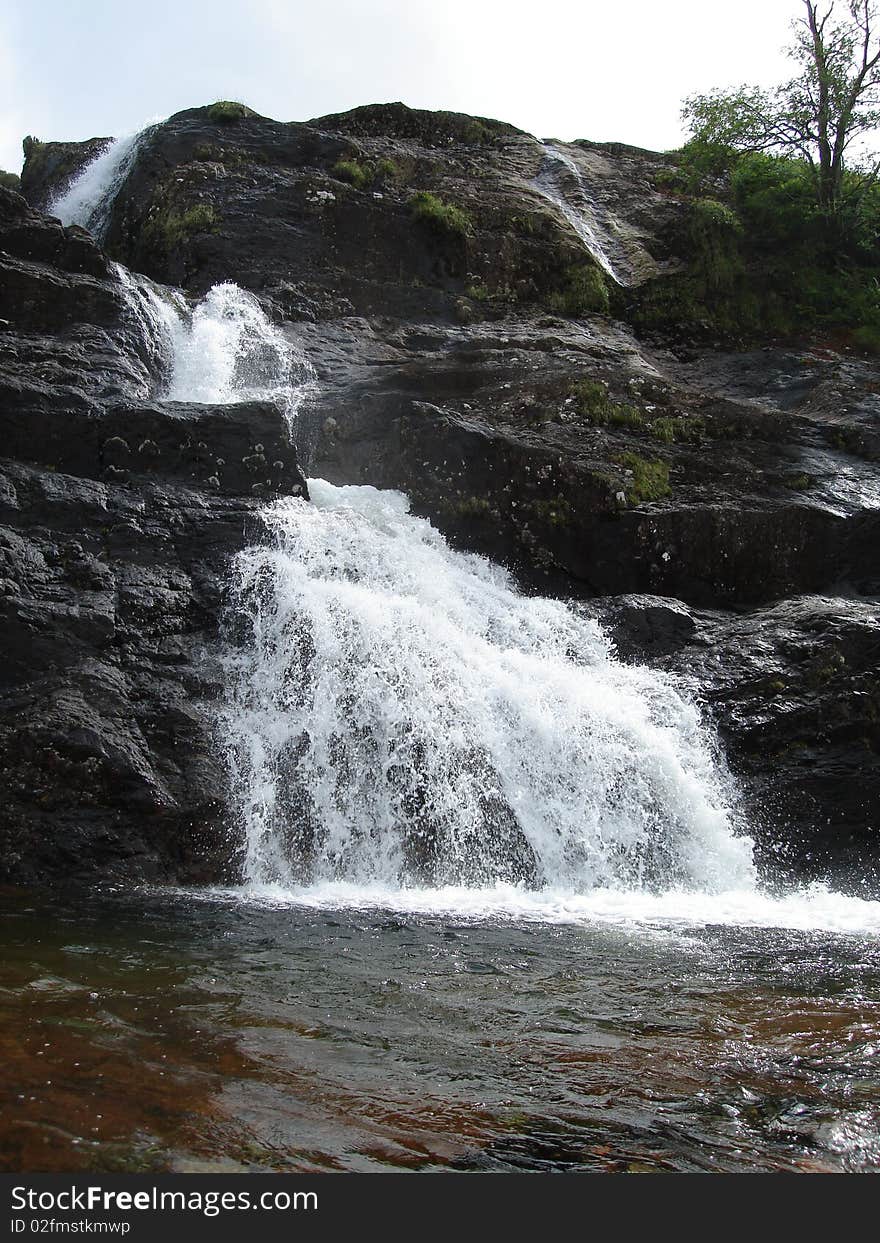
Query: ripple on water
303, 1037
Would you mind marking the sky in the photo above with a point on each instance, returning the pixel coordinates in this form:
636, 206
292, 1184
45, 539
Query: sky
599, 69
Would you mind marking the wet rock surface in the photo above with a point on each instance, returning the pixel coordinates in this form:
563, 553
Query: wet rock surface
118, 517
718, 508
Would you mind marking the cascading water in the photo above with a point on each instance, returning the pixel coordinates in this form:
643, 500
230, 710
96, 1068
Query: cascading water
158, 315
560, 182
403, 728
221, 351
229, 351
400, 715
88, 200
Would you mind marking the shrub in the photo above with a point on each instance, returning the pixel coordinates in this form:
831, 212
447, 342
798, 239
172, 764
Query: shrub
440, 217
352, 171
593, 404
387, 170
705, 166
10, 181
583, 292
227, 111
763, 257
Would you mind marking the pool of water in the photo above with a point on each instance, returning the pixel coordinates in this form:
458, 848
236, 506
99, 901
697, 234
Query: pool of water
187, 1032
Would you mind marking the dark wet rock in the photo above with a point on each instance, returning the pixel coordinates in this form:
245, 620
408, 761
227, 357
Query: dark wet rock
118, 518
319, 216
645, 626
480, 425
794, 690
49, 167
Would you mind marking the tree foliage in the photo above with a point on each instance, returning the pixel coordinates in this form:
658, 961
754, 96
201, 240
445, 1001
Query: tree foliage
822, 116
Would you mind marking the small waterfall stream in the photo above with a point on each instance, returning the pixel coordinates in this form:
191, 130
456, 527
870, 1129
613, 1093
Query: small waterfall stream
220, 351
228, 351
88, 199
561, 182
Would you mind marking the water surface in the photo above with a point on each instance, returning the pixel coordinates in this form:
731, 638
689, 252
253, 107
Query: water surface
168, 1031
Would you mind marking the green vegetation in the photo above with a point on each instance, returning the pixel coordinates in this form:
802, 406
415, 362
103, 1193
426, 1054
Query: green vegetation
388, 170
583, 292
479, 292
798, 483
765, 259
10, 181
166, 229
360, 173
226, 111
230, 156
781, 232
650, 479
460, 128
528, 225
440, 217
352, 171
472, 507
867, 338
815, 117
556, 513
476, 134
595, 406
675, 429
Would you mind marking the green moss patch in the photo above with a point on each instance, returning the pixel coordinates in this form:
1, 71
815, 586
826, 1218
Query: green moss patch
440, 217
227, 111
593, 404
166, 229
650, 479
583, 291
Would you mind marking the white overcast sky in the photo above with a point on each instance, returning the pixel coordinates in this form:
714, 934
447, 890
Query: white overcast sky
601, 69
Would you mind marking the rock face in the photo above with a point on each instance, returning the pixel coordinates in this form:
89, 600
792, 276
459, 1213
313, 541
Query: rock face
718, 508
117, 519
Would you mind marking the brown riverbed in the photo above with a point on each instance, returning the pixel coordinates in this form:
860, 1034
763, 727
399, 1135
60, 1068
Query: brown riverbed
171, 1032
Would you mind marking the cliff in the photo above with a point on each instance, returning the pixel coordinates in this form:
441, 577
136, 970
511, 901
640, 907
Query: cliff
482, 313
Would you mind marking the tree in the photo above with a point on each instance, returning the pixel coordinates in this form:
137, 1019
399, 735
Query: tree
822, 115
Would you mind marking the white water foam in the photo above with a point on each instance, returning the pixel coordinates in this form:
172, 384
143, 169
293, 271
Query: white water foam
812, 909
227, 351
399, 714
88, 200
561, 182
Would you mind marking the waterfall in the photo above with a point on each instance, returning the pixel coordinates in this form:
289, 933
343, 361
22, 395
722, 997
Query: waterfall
561, 182
158, 315
222, 350
228, 351
88, 200
398, 714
